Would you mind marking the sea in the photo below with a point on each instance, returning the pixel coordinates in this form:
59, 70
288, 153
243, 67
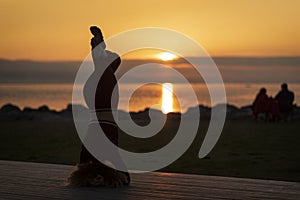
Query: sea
58, 96
34, 84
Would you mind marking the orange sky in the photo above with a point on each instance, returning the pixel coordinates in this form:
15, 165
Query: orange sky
58, 30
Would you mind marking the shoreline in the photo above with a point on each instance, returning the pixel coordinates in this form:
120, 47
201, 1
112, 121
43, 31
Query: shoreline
44, 113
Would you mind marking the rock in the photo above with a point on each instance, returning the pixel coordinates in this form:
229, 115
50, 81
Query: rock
232, 108
9, 111
69, 107
28, 109
43, 108
80, 112
193, 113
10, 108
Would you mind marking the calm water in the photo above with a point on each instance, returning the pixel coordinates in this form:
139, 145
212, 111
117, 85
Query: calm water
57, 96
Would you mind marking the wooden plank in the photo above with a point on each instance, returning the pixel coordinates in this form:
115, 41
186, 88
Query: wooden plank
21, 180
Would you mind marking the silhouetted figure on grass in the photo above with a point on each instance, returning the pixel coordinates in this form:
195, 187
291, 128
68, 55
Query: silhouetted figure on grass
261, 104
102, 100
285, 99
274, 113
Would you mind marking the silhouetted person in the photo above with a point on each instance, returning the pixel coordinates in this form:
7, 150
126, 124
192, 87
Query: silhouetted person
261, 104
102, 100
285, 99
273, 110
99, 88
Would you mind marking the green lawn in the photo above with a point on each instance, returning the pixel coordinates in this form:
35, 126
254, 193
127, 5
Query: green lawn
245, 149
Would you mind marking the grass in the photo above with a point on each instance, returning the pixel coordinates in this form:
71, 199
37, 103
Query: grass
245, 148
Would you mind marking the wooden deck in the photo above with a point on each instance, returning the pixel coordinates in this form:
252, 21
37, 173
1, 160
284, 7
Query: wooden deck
21, 180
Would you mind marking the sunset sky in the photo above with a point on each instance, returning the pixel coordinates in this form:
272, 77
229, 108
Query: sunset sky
58, 30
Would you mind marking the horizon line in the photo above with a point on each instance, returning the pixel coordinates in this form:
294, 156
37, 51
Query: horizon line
155, 59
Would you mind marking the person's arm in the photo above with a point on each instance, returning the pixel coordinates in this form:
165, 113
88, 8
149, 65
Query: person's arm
277, 96
254, 102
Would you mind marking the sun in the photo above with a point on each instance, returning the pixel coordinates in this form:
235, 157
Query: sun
166, 56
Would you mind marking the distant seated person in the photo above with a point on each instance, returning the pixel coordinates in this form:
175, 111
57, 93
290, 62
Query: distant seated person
273, 110
285, 99
261, 104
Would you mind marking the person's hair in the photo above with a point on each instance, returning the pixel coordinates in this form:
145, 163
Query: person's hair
284, 86
263, 91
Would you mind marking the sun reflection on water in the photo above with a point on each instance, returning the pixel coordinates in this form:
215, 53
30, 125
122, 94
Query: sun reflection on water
167, 98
